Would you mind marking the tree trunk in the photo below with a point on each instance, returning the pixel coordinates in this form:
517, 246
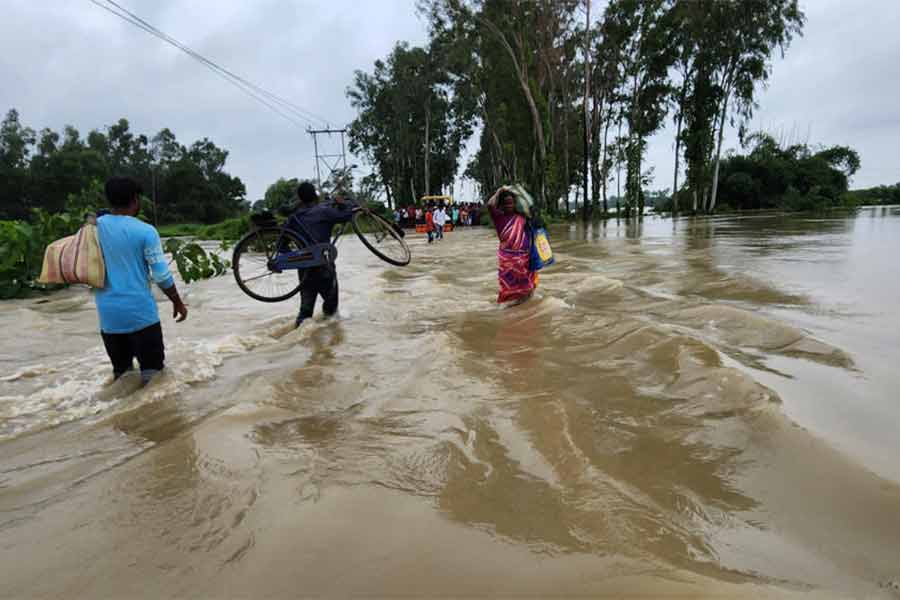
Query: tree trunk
603, 170
587, 114
633, 178
595, 153
630, 195
387, 191
638, 183
412, 178
394, 177
566, 95
522, 77
566, 160
619, 170
677, 155
427, 187
715, 183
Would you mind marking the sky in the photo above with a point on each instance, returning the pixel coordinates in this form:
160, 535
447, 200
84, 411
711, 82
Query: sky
69, 62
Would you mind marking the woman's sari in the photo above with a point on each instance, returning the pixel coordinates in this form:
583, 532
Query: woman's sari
516, 281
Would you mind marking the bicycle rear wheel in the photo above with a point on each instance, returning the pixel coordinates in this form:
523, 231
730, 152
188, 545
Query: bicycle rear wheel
253, 268
381, 238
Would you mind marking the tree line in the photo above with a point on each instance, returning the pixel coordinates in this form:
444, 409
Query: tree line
566, 102
880, 194
787, 176
54, 171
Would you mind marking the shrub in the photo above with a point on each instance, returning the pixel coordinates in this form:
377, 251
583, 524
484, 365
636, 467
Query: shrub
22, 249
194, 262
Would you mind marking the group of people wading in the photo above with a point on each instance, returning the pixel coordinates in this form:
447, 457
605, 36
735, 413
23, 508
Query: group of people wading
129, 319
465, 214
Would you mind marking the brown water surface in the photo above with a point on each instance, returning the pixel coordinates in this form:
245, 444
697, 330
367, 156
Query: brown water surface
691, 407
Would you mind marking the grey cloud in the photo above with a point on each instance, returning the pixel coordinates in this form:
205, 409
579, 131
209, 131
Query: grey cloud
73, 63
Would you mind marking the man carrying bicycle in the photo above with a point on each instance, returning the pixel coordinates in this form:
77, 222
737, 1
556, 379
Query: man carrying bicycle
317, 221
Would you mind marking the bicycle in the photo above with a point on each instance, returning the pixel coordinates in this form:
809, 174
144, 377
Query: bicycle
264, 258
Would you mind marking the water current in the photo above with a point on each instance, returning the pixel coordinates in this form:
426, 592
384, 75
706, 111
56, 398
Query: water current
698, 406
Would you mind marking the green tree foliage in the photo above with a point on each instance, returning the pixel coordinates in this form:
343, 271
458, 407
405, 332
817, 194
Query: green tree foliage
53, 171
728, 46
515, 60
16, 141
409, 127
881, 194
527, 70
794, 177
193, 262
280, 197
644, 26
18, 257
22, 247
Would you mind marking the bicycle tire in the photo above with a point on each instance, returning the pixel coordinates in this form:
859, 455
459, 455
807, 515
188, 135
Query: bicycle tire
255, 250
384, 241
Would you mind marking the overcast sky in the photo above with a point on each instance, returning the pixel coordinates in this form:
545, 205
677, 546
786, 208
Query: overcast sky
70, 62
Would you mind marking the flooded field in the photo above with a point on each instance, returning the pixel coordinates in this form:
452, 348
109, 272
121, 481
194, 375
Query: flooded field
697, 407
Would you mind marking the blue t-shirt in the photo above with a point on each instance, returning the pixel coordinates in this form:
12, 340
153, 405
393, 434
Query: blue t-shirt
134, 257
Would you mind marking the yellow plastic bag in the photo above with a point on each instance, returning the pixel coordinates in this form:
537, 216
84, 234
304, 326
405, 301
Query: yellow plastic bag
75, 259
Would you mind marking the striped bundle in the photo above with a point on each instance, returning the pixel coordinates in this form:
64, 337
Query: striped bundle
75, 259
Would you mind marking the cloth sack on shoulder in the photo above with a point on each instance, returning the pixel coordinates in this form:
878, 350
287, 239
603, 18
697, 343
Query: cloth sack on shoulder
75, 259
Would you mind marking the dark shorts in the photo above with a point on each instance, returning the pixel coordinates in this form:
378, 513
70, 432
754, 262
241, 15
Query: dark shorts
145, 345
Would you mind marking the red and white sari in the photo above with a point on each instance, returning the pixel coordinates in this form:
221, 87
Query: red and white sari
516, 281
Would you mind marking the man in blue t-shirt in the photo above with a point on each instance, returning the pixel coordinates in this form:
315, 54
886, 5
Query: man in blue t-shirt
129, 319
316, 221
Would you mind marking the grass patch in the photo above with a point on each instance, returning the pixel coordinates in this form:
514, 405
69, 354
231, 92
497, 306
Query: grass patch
228, 230
180, 229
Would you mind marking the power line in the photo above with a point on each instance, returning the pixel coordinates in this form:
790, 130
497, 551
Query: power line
214, 68
257, 93
301, 112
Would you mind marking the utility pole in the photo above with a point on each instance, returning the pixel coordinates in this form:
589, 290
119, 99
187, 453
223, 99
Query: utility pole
332, 161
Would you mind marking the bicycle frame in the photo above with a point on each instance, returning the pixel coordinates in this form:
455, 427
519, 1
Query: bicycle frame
317, 255
313, 255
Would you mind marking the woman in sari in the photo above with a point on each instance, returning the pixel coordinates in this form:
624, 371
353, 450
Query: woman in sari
517, 282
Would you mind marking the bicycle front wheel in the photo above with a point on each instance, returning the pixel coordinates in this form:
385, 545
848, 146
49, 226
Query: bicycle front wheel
253, 265
381, 238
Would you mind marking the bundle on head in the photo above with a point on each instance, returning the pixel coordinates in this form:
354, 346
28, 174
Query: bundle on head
524, 201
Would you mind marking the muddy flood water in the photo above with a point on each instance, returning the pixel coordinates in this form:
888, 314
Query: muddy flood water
697, 407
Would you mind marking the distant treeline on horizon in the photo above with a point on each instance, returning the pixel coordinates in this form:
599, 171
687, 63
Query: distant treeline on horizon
53, 171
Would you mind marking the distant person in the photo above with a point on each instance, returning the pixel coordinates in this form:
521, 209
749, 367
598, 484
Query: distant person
420, 216
429, 224
129, 319
317, 221
440, 219
455, 215
411, 216
516, 281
